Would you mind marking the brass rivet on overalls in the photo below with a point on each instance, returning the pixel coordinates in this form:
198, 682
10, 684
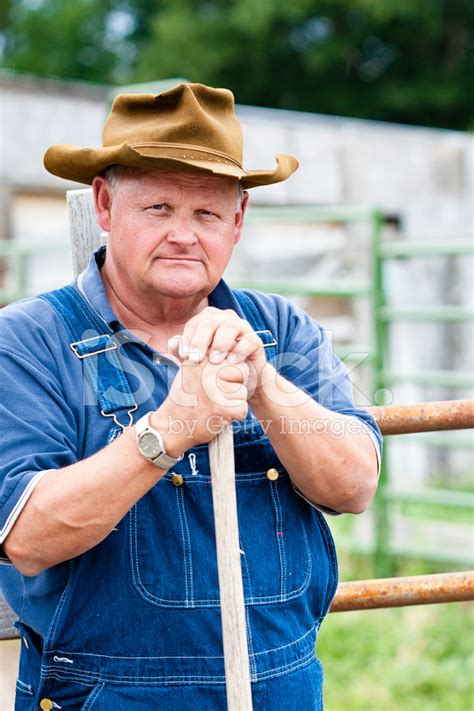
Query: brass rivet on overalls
177, 480
46, 704
273, 474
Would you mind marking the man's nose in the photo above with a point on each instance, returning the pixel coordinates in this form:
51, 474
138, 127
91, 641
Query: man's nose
182, 231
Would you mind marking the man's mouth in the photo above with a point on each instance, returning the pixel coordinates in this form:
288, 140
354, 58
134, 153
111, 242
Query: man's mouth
172, 258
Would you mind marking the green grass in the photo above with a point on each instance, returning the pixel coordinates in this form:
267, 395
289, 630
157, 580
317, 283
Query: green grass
406, 659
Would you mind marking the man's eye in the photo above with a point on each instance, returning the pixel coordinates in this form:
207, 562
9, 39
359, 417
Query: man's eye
160, 206
207, 213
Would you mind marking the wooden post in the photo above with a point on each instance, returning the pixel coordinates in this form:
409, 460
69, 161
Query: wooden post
86, 237
236, 658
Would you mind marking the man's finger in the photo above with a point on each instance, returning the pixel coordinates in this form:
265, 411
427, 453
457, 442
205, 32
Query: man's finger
247, 345
200, 343
224, 341
234, 372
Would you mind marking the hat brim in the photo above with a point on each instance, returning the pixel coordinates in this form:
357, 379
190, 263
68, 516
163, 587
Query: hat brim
81, 165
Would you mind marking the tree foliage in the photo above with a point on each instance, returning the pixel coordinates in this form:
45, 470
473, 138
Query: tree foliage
410, 61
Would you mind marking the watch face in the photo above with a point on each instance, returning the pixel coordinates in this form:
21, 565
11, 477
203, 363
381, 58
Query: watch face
150, 445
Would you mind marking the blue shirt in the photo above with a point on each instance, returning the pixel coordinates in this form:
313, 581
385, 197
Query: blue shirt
50, 417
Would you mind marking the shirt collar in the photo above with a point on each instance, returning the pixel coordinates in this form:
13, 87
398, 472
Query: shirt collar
90, 284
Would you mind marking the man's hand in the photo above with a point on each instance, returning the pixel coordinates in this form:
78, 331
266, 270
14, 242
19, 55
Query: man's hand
222, 360
221, 335
203, 399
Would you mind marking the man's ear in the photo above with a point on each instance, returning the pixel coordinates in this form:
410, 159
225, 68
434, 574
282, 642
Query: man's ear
239, 217
102, 201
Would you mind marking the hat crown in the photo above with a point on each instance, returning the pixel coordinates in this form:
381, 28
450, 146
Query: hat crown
188, 114
190, 128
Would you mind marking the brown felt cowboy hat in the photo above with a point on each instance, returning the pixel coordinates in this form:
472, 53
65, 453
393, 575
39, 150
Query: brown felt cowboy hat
190, 128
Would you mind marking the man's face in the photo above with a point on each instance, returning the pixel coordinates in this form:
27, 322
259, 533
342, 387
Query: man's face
170, 234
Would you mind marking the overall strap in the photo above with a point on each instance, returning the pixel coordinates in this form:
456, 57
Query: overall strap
93, 342
254, 316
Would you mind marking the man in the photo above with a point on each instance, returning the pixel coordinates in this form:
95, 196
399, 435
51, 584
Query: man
110, 538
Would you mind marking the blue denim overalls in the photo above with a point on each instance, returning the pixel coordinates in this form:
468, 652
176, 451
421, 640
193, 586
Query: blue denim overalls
138, 625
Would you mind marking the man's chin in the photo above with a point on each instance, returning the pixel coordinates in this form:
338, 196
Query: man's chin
184, 289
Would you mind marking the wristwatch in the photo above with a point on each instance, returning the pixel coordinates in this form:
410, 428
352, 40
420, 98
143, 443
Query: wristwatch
151, 446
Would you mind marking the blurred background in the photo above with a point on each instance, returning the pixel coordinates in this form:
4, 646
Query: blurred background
373, 236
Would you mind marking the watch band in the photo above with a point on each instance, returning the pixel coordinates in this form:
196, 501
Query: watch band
161, 459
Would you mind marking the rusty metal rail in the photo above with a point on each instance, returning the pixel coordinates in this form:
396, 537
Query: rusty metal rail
400, 592
424, 417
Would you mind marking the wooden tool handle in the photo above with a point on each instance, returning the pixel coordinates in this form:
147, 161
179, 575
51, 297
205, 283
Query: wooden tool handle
236, 657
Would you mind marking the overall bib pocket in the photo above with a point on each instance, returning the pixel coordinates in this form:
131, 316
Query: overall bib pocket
172, 536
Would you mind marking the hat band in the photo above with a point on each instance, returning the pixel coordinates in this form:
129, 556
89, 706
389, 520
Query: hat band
185, 151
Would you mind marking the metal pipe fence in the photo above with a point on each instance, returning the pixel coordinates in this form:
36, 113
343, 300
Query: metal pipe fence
404, 591
424, 417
